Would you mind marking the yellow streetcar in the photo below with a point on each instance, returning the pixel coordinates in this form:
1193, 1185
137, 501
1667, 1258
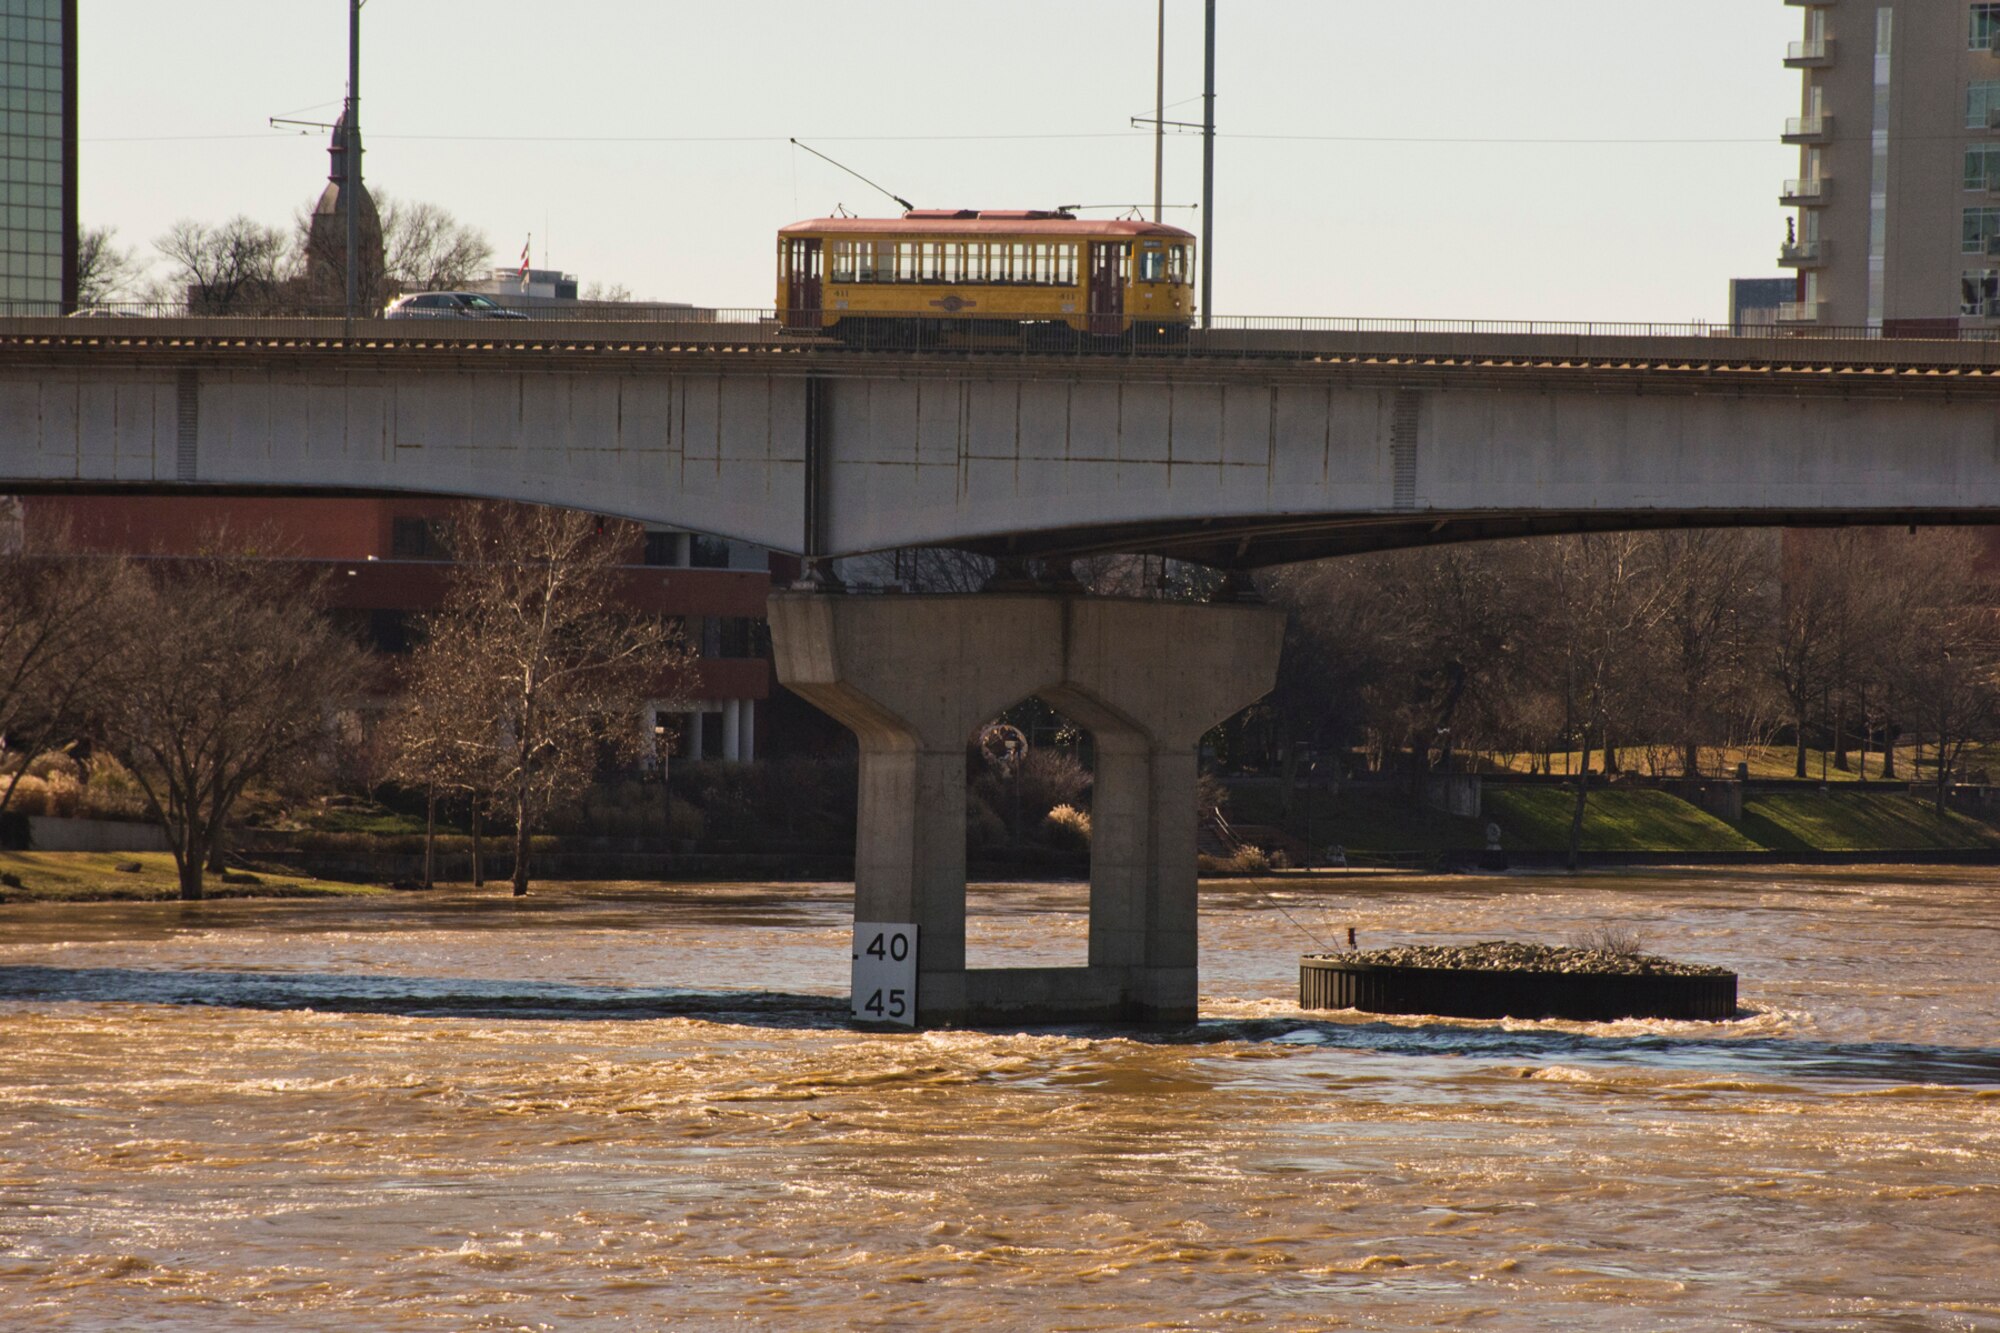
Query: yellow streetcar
886, 280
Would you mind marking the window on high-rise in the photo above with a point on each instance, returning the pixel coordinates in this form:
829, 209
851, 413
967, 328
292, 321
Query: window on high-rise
1982, 168
1979, 293
1982, 228
1985, 27
1981, 101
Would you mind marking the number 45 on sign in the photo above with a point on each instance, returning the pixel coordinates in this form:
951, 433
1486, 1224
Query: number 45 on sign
885, 974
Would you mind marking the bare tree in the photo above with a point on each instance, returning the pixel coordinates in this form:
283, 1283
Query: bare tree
607, 292
56, 612
1599, 605
1802, 652
1713, 617
239, 266
441, 735
224, 675
554, 666
426, 249
1946, 662
105, 271
933, 569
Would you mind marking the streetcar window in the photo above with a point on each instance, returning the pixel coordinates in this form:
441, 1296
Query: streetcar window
840, 266
864, 261
1177, 265
1066, 266
932, 260
1023, 265
975, 262
1152, 264
906, 261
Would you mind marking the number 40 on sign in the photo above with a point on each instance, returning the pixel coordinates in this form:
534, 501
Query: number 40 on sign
885, 973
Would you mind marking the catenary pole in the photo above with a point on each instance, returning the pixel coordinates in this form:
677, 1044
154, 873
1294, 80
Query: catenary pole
350, 188
1208, 173
1160, 120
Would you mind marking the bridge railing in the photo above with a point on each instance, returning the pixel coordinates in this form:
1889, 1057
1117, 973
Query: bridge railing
921, 331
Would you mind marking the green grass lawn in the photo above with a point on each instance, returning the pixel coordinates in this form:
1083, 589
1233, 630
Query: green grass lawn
1854, 822
96, 877
1538, 818
1777, 761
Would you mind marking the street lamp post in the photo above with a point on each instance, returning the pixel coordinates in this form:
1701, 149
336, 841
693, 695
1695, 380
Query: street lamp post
350, 188
1208, 173
1312, 775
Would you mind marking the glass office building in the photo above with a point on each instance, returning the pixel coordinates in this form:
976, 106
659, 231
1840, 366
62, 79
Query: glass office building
38, 154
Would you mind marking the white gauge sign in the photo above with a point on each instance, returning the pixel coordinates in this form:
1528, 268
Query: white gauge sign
885, 974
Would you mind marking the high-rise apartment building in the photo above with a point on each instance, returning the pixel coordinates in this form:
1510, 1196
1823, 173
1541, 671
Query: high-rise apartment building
38, 220
1898, 191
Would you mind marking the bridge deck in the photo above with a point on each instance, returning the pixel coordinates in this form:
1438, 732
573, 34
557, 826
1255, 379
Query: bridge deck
1361, 354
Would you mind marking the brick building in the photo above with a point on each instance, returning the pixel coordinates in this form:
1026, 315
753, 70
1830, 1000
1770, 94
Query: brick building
387, 564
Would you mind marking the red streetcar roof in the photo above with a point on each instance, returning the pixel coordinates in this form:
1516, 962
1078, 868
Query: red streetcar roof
984, 222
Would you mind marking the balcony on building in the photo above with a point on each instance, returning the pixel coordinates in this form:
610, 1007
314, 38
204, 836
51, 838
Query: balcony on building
1798, 312
1803, 193
1803, 254
1809, 130
1813, 53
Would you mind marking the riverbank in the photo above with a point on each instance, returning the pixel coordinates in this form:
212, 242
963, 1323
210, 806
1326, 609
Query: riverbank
1625, 825
142, 877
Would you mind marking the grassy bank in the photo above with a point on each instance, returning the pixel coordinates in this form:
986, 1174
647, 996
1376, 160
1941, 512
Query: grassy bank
138, 877
1858, 822
1537, 819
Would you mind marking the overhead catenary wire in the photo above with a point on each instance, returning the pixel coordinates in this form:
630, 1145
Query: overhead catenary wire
1440, 140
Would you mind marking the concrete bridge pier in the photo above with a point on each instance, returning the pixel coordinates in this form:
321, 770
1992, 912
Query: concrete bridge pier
914, 677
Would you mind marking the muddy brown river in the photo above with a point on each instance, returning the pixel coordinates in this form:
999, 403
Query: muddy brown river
641, 1108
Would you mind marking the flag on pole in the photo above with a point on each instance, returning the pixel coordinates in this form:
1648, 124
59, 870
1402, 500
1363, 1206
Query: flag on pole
523, 274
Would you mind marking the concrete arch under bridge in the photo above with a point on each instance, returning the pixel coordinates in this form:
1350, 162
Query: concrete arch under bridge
1236, 455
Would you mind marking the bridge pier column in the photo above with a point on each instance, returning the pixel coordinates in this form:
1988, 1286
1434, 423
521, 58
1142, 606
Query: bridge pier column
913, 677
1150, 679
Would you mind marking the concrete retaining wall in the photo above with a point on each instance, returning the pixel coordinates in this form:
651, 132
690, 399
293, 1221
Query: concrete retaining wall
47, 834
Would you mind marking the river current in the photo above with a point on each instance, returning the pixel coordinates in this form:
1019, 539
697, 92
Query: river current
641, 1107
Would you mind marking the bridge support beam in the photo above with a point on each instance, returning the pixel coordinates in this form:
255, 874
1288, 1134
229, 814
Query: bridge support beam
914, 677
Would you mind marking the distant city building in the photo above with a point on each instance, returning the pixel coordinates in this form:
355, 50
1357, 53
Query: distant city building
1898, 192
1755, 303
549, 289
38, 212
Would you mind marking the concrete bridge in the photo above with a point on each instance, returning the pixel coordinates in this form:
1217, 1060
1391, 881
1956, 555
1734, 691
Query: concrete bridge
1247, 448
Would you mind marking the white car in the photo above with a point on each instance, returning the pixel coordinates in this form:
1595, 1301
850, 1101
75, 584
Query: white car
448, 305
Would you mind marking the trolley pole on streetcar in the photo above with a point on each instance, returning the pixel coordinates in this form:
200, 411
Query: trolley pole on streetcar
1208, 174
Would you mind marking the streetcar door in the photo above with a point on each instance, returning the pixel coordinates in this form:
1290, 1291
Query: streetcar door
802, 283
1107, 288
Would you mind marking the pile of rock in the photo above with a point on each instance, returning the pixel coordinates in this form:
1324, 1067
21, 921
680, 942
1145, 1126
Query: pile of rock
1513, 956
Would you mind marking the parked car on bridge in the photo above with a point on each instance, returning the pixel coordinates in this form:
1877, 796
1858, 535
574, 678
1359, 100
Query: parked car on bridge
448, 305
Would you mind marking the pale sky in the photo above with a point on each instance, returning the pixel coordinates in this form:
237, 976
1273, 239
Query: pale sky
1424, 158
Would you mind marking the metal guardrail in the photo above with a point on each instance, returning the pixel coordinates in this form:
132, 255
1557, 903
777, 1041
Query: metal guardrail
1254, 335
